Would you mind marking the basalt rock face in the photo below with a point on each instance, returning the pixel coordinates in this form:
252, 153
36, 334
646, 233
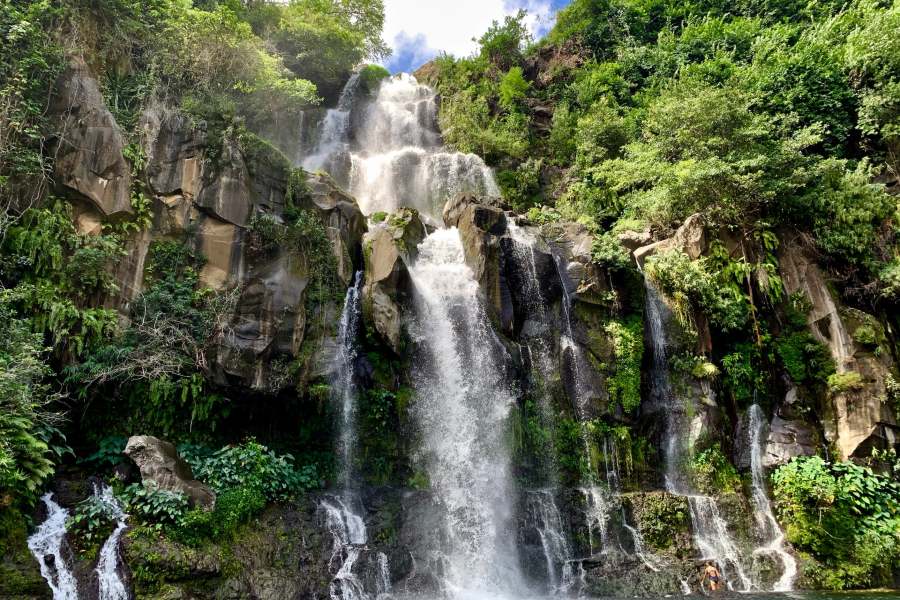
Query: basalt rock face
207, 197
390, 247
859, 419
90, 157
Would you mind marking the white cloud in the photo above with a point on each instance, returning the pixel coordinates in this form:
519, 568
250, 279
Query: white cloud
420, 29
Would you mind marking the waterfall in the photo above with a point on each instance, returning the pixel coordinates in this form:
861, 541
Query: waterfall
710, 529
462, 406
543, 515
343, 390
112, 586
768, 527
332, 153
395, 158
342, 511
47, 543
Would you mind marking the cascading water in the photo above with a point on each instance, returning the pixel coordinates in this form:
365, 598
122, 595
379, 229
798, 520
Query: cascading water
342, 511
767, 526
461, 407
710, 528
542, 513
332, 153
111, 584
395, 157
46, 544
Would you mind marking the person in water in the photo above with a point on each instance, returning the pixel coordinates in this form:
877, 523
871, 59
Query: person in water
711, 573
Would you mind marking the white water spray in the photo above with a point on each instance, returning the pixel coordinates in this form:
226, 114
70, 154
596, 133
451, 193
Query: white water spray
462, 406
710, 528
46, 544
112, 586
768, 527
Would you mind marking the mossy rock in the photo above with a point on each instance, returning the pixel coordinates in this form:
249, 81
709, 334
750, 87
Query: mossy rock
662, 518
20, 575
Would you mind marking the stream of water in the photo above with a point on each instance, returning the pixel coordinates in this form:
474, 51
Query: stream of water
47, 544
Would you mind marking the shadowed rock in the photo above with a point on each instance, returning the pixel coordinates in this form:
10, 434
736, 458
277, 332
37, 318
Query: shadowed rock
161, 466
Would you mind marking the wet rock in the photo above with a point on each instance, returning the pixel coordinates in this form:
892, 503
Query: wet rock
89, 158
480, 228
389, 247
161, 466
861, 421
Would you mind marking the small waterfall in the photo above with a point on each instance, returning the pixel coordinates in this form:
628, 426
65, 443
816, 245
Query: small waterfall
46, 544
343, 390
768, 527
462, 407
348, 532
543, 515
342, 512
332, 153
710, 529
112, 586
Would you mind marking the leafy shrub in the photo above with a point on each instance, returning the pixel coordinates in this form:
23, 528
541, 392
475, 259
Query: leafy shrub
109, 453
608, 252
26, 420
625, 383
850, 381
714, 473
521, 186
513, 88
844, 515
252, 466
804, 358
92, 520
233, 508
152, 506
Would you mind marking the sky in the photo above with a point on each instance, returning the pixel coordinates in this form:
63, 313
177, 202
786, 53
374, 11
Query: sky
418, 30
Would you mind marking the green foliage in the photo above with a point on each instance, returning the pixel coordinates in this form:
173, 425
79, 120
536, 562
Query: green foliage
502, 44
713, 472
152, 506
370, 78
234, 507
29, 61
252, 466
690, 285
608, 252
844, 515
57, 272
109, 453
27, 422
839, 383
660, 517
92, 521
521, 187
513, 88
805, 359
624, 384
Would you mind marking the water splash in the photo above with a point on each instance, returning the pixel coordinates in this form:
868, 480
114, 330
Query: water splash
348, 533
343, 390
542, 513
111, 584
710, 528
395, 157
767, 526
461, 408
47, 543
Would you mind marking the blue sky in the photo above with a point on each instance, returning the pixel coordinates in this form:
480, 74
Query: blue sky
418, 30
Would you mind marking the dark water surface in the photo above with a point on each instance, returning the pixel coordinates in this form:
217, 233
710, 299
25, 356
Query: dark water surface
867, 595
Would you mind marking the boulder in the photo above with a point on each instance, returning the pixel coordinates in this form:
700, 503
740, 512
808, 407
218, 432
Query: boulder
690, 238
161, 467
89, 159
481, 228
389, 247
788, 439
